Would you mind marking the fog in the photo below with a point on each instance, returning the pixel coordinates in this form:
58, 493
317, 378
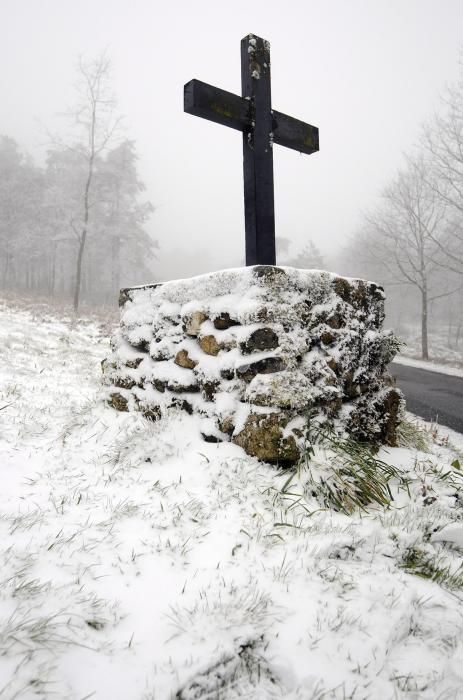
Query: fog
366, 73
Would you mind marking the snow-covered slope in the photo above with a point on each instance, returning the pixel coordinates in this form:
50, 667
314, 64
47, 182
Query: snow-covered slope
139, 562
445, 351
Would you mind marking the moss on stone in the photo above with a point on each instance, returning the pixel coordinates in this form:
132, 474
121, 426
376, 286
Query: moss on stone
182, 359
209, 345
262, 437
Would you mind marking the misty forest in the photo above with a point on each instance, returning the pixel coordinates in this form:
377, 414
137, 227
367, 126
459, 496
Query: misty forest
224, 480
412, 240
73, 229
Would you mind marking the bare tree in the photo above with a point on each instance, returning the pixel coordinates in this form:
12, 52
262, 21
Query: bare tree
76, 228
97, 123
443, 147
404, 237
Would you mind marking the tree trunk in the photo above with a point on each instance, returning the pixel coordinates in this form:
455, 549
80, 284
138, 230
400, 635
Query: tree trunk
52, 274
115, 266
80, 255
83, 236
7, 269
424, 324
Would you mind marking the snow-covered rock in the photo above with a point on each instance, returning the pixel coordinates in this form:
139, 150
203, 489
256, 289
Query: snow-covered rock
279, 342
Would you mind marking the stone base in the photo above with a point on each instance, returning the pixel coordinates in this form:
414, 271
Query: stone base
253, 351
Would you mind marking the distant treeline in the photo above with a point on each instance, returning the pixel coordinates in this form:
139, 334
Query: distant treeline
75, 227
41, 219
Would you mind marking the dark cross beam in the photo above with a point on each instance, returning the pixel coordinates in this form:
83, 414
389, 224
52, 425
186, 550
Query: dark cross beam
262, 127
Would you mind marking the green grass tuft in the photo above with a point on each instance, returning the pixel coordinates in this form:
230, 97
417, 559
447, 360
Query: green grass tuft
353, 477
412, 436
416, 561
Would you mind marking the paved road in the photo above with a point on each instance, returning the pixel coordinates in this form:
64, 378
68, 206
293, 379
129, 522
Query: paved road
433, 396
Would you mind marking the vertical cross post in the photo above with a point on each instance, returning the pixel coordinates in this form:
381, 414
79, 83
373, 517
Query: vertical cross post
258, 153
261, 127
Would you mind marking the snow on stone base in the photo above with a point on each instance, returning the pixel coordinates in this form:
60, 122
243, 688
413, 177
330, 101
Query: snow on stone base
253, 350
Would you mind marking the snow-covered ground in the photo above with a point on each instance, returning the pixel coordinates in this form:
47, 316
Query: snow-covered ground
430, 365
444, 352
141, 563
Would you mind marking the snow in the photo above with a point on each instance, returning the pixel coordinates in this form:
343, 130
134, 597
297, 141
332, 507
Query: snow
444, 345
450, 533
429, 365
242, 280
321, 340
141, 562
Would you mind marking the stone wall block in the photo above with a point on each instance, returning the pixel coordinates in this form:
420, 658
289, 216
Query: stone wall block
263, 315
223, 322
187, 386
182, 359
269, 275
162, 350
209, 345
159, 384
262, 436
209, 389
118, 401
327, 337
337, 318
260, 340
150, 411
343, 288
300, 313
137, 336
125, 382
379, 415
333, 364
108, 365
128, 294
143, 345
226, 425
227, 373
287, 389
134, 363
267, 365
192, 323
354, 387
252, 351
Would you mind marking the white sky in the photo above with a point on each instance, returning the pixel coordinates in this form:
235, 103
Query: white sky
366, 72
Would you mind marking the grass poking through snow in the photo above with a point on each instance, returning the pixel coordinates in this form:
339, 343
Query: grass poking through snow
139, 562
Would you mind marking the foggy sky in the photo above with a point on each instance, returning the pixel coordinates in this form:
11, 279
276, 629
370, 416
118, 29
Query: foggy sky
366, 72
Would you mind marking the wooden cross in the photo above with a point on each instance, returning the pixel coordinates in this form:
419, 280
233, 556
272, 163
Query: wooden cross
262, 127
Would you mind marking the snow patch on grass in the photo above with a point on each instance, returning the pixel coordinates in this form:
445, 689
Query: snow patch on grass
141, 562
444, 348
